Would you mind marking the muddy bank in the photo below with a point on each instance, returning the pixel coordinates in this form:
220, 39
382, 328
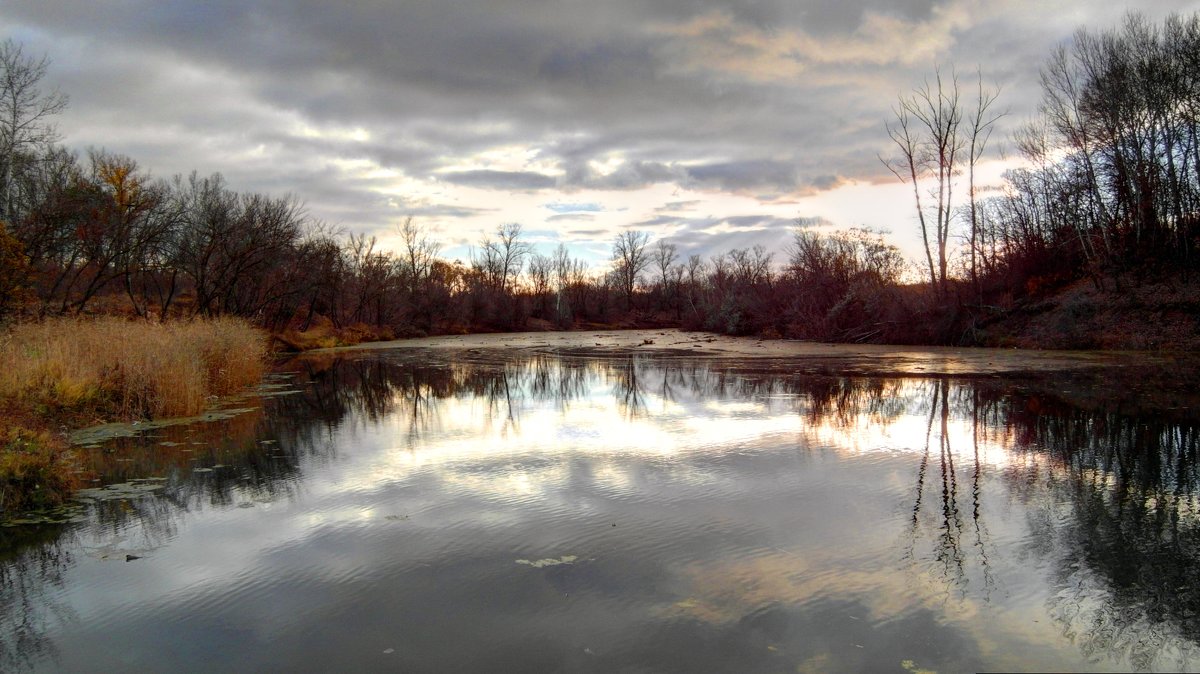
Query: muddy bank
1129, 382
863, 359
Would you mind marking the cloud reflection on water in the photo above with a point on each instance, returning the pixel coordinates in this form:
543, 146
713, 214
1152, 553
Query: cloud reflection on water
751, 503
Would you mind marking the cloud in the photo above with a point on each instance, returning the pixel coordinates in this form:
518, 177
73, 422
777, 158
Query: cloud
675, 206
561, 207
370, 111
708, 236
736, 176
445, 211
499, 180
810, 221
571, 217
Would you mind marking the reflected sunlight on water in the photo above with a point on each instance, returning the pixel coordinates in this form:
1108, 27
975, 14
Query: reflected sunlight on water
533, 513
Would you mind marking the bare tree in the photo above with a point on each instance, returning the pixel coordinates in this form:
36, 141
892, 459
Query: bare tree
502, 258
982, 123
629, 261
929, 132
541, 269
419, 252
26, 129
664, 260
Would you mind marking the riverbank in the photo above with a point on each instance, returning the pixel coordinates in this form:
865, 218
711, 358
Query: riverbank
808, 357
66, 373
1164, 382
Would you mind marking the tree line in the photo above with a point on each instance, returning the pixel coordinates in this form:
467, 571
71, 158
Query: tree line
1110, 186
100, 234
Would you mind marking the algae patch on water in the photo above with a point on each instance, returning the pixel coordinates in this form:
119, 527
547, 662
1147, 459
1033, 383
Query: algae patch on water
96, 435
124, 490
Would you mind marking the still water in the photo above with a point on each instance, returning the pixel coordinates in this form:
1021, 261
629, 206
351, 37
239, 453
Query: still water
507, 513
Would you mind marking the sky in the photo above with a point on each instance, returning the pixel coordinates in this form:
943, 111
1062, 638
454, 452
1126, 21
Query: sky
713, 125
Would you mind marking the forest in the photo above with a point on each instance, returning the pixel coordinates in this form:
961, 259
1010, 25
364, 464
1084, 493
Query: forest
1105, 201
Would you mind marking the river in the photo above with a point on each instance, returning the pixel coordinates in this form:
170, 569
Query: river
468, 510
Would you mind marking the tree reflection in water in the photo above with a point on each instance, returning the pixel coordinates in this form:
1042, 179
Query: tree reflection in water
1113, 491
32, 565
1116, 489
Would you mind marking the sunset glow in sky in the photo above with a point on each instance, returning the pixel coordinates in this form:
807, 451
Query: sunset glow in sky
713, 124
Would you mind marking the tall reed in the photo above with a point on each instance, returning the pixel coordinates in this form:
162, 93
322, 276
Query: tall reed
64, 372
116, 368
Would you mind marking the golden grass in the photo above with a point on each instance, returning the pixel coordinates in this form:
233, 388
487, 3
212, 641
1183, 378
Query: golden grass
66, 372
114, 368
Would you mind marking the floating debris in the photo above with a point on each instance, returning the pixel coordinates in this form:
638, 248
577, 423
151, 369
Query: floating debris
543, 563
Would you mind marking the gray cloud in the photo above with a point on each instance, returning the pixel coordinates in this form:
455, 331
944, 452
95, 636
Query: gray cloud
810, 221
499, 180
571, 217
710, 236
740, 175
765, 98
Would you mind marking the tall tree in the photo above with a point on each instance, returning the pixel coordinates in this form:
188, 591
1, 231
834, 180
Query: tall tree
932, 130
26, 126
501, 259
630, 259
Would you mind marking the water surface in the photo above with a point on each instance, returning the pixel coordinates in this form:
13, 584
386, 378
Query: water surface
439, 511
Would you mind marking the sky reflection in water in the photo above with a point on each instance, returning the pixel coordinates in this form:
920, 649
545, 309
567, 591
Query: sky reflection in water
538, 514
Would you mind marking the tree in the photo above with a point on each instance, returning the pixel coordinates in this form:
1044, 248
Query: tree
569, 276
630, 259
26, 130
664, 260
982, 123
541, 268
14, 270
929, 134
502, 258
418, 253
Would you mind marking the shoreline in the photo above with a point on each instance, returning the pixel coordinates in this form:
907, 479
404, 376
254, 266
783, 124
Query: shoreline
856, 359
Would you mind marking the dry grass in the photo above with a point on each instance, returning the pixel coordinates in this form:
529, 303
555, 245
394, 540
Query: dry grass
113, 368
67, 372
